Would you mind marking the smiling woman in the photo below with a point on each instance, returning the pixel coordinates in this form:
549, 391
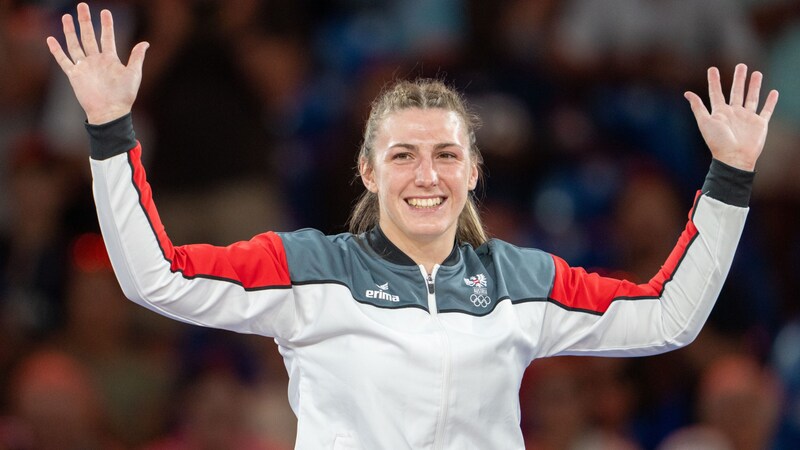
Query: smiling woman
413, 328
449, 112
420, 171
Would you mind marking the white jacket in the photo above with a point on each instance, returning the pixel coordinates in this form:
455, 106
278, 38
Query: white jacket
382, 355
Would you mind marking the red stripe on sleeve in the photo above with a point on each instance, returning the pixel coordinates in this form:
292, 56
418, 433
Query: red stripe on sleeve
574, 288
254, 264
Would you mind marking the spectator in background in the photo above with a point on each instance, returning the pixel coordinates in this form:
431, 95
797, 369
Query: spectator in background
785, 359
657, 39
738, 405
559, 410
740, 398
24, 76
33, 247
218, 395
647, 212
213, 414
778, 22
213, 152
54, 405
696, 438
132, 380
633, 55
779, 188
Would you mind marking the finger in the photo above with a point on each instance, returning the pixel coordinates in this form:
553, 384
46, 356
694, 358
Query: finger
73, 45
698, 108
107, 43
715, 95
136, 61
58, 53
769, 105
753, 91
87, 30
737, 87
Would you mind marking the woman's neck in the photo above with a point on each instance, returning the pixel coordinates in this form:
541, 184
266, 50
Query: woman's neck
427, 253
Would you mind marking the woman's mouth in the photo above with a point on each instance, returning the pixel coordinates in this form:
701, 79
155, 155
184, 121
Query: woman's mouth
422, 203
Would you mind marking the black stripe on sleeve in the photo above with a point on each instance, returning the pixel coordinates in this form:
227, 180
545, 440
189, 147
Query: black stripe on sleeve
729, 184
111, 138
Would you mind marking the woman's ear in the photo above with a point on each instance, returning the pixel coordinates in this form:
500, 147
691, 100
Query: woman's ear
473, 177
367, 174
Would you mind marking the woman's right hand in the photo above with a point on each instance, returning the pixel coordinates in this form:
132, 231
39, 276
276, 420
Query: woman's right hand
105, 88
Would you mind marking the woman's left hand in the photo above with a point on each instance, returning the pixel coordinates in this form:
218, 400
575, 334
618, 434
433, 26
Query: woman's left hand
735, 131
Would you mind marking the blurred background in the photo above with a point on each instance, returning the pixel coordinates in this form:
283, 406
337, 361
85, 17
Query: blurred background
250, 114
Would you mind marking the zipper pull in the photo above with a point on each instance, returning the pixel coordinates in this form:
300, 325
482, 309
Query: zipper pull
430, 284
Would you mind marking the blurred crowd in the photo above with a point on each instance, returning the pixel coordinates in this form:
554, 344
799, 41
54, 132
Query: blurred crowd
250, 115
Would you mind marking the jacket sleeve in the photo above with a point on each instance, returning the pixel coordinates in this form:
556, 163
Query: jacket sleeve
589, 314
243, 287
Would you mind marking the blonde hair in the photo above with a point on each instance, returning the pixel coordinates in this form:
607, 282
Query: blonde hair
423, 94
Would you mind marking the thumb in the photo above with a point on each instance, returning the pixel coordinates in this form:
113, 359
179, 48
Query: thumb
698, 108
136, 61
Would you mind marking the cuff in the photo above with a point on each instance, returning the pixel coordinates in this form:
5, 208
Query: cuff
111, 138
728, 184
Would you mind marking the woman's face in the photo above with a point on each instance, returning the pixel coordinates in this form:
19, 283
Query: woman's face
422, 171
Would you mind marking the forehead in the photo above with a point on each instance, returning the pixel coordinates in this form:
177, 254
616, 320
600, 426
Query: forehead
418, 126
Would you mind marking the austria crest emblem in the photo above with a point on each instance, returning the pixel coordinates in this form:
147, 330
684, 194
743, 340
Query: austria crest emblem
480, 294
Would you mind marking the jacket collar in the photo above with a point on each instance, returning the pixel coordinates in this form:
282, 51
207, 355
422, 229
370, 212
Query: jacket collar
388, 251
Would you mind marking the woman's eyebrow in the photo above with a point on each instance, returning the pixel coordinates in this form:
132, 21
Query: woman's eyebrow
404, 145
438, 146
446, 145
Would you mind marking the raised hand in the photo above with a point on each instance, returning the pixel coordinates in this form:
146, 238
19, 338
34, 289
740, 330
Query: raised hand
105, 88
735, 131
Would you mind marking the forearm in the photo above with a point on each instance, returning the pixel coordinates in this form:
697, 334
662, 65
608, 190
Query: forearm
668, 311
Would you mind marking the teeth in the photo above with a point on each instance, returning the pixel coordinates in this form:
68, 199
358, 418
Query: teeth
424, 202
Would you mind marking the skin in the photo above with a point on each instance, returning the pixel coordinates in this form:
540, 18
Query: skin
105, 88
421, 155
734, 131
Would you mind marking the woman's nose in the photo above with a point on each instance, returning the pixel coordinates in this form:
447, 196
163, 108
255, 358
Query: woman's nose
426, 173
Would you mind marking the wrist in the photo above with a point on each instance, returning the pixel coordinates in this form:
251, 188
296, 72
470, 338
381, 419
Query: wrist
737, 163
728, 184
106, 116
111, 138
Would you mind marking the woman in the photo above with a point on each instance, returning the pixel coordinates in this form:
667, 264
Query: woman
413, 332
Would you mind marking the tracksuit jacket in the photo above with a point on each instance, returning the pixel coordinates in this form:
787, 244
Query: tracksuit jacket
381, 354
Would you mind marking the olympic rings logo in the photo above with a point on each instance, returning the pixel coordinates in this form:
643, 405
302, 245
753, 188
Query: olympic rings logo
480, 300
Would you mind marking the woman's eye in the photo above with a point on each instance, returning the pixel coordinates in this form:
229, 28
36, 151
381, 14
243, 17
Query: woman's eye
402, 156
447, 155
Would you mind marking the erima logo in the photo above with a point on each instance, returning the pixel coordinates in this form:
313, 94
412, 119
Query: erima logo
382, 294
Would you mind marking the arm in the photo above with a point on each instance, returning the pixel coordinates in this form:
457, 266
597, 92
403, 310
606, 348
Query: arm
597, 315
605, 316
243, 287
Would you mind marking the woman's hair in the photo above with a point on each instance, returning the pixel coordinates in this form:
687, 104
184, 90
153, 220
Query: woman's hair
422, 94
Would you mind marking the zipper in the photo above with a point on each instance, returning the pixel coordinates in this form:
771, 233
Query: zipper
438, 439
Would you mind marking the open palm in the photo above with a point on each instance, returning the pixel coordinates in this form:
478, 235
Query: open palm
105, 88
734, 132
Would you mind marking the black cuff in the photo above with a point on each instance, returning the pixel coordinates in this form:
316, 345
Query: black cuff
111, 138
729, 184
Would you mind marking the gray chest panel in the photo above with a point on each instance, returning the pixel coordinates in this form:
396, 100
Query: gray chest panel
477, 281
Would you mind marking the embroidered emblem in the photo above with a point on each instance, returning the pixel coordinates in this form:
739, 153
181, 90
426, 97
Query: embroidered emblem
477, 281
480, 294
